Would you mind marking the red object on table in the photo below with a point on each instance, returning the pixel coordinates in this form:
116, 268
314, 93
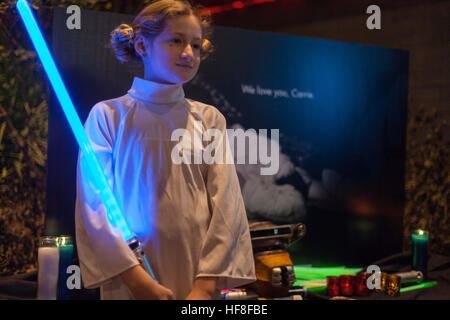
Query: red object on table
333, 286
360, 286
346, 285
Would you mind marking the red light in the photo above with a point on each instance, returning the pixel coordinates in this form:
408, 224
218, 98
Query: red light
361, 288
333, 286
238, 4
211, 10
261, 1
231, 6
346, 285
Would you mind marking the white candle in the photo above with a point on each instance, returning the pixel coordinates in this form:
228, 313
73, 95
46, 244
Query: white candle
48, 262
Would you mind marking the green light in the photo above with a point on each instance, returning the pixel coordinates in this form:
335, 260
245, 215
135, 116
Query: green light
419, 235
311, 273
419, 286
311, 283
318, 290
65, 241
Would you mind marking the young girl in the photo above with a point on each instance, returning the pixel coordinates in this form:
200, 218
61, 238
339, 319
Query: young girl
189, 217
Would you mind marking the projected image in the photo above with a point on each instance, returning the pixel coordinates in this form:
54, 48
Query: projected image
304, 177
341, 110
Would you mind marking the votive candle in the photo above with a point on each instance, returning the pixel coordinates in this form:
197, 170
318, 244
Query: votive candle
65, 260
420, 251
48, 264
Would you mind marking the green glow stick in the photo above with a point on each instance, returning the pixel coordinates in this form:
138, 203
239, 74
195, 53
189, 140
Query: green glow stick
419, 286
316, 273
318, 290
304, 281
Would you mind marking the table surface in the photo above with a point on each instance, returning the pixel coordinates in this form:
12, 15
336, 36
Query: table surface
24, 286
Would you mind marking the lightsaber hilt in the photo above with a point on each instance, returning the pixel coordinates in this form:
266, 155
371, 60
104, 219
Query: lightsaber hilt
136, 247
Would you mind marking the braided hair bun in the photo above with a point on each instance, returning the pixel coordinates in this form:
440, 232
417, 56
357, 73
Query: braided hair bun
122, 42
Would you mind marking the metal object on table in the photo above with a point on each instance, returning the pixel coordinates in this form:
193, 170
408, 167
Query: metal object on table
285, 233
410, 276
273, 265
283, 276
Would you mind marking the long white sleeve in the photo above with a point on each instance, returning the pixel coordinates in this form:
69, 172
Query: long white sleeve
102, 252
226, 251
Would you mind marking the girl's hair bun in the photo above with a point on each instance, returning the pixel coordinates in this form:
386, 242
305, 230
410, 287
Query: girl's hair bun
122, 42
206, 49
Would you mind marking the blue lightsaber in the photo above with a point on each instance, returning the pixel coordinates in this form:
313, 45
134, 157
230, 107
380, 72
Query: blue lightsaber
114, 213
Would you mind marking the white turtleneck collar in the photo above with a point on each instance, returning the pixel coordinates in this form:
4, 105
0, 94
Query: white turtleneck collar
156, 93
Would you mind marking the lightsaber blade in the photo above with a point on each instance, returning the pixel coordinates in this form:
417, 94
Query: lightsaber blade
114, 212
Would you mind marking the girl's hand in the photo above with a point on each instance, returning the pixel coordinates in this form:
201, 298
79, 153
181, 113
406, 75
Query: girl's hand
197, 294
202, 289
159, 292
143, 287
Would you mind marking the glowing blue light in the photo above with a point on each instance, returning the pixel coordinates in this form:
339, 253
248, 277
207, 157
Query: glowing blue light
114, 212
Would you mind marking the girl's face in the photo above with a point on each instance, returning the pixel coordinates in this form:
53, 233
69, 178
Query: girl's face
173, 56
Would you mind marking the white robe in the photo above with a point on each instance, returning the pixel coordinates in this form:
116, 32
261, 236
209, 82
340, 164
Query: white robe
190, 218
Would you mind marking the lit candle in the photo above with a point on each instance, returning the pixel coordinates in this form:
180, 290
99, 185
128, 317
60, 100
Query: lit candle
382, 288
48, 263
393, 285
420, 252
346, 285
333, 286
65, 260
361, 288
